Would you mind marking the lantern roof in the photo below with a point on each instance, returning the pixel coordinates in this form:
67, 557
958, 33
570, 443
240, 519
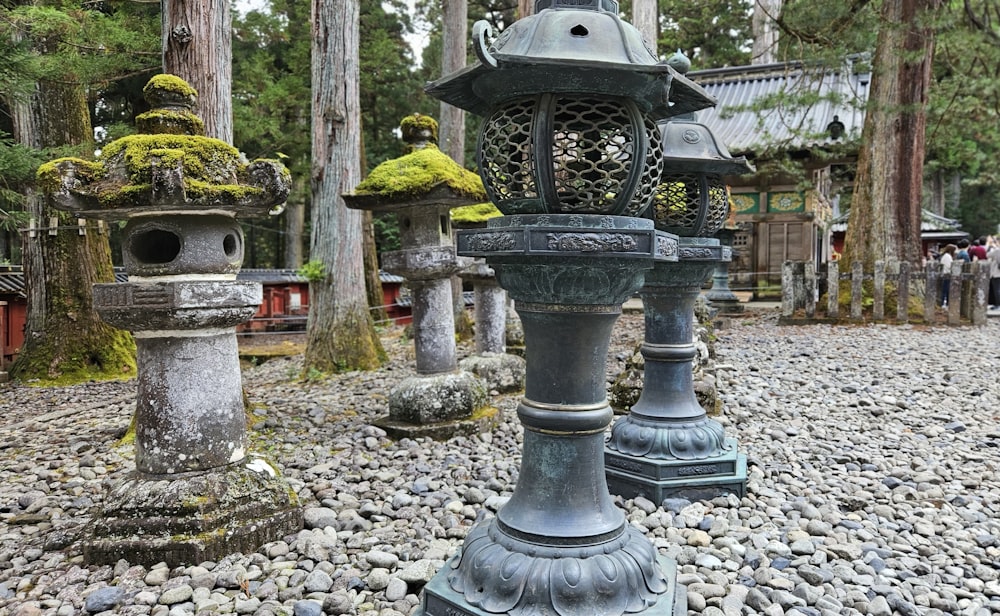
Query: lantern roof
574, 47
691, 146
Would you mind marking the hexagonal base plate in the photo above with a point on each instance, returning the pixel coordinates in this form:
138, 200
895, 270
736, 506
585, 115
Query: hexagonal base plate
440, 600
631, 476
192, 517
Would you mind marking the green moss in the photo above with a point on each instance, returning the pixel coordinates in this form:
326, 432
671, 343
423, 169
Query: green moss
204, 158
224, 193
414, 124
50, 178
474, 214
113, 359
417, 173
170, 83
170, 122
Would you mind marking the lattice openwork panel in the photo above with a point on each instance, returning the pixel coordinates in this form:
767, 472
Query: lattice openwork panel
507, 160
593, 151
591, 156
677, 203
651, 172
718, 206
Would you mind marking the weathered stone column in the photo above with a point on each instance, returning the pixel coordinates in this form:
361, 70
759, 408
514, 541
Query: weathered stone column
421, 188
501, 371
196, 493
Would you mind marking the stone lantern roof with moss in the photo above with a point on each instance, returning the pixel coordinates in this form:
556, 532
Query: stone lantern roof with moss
169, 165
424, 176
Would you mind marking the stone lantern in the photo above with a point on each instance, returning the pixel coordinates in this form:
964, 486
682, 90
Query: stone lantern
569, 151
422, 187
667, 445
720, 294
197, 493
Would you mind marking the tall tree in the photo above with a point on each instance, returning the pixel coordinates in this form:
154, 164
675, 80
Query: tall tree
197, 47
340, 332
64, 339
765, 32
884, 221
454, 39
72, 47
647, 21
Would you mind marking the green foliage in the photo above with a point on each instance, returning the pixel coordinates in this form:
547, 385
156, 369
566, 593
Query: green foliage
386, 226
18, 164
712, 33
313, 271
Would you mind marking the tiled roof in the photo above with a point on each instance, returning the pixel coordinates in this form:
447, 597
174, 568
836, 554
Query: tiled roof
929, 222
841, 94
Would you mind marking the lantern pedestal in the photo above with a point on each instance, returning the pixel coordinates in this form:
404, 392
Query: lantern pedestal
668, 446
559, 545
721, 296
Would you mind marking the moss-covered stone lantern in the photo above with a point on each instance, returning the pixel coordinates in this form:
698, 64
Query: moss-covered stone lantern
668, 445
570, 153
421, 188
196, 493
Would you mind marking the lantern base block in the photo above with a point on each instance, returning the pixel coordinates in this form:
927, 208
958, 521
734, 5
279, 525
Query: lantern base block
192, 517
438, 406
501, 372
440, 600
656, 480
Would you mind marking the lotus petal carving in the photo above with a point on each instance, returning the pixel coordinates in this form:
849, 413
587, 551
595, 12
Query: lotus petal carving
661, 440
504, 575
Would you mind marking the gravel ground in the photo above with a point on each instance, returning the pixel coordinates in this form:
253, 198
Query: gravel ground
873, 486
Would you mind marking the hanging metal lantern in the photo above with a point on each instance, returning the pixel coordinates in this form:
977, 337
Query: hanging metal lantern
691, 199
571, 96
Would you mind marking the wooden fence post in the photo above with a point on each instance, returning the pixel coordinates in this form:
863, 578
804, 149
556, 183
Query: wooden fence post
932, 284
787, 289
810, 288
833, 289
878, 307
902, 271
857, 278
981, 291
967, 286
955, 294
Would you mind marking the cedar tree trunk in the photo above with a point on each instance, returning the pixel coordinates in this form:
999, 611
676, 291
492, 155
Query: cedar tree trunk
645, 18
65, 340
197, 47
340, 333
884, 221
765, 31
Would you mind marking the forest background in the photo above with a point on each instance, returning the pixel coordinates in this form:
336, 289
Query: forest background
112, 47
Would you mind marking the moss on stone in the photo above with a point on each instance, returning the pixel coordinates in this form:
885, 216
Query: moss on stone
416, 123
417, 173
474, 214
170, 122
49, 177
170, 83
204, 158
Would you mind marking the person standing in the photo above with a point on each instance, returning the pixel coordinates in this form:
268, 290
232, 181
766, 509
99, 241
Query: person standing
993, 256
947, 257
978, 250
